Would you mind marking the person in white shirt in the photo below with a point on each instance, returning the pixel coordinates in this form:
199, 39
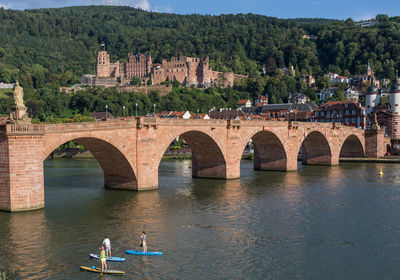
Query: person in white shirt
107, 244
144, 241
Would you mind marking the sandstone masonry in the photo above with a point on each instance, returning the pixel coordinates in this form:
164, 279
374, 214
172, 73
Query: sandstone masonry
129, 151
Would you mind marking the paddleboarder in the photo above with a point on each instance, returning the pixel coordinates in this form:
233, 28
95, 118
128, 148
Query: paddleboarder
143, 242
107, 244
103, 259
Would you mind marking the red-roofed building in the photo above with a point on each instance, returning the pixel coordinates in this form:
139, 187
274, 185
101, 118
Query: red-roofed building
200, 116
174, 115
261, 99
346, 112
244, 103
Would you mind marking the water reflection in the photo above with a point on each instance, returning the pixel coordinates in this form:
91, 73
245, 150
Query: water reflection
317, 223
27, 238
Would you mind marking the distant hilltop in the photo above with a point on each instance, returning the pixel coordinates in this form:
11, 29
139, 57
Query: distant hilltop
67, 40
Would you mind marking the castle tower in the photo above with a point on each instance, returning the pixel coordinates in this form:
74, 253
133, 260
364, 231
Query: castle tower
103, 65
372, 98
395, 104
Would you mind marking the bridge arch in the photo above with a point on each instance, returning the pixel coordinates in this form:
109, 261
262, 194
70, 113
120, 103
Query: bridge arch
117, 169
269, 152
315, 149
352, 147
208, 158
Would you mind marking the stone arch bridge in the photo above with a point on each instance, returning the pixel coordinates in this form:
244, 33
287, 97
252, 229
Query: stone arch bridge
129, 151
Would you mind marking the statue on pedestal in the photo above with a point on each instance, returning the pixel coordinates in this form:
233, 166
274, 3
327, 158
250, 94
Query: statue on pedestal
18, 95
19, 111
374, 123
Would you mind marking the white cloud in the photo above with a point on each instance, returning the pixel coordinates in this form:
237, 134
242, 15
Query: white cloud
142, 4
166, 9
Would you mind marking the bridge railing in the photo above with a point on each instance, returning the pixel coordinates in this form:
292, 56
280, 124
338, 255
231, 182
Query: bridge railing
15, 129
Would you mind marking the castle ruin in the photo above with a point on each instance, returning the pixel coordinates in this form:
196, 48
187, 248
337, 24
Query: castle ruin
186, 70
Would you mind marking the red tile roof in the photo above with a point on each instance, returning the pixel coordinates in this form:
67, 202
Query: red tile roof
243, 101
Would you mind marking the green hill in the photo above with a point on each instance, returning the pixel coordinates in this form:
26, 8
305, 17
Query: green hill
68, 39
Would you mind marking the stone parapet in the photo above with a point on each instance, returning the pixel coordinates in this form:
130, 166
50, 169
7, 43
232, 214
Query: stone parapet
22, 129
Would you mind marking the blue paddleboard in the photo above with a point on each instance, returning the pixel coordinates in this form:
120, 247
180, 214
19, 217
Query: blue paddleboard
142, 253
110, 259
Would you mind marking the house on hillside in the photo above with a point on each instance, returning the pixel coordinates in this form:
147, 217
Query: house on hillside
288, 111
346, 112
244, 103
175, 115
324, 94
261, 100
200, 116
227, 113
298, 98
308, 79
352, 95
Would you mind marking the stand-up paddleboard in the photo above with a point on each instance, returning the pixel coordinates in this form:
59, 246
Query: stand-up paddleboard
143, 253
110, 259
98, 270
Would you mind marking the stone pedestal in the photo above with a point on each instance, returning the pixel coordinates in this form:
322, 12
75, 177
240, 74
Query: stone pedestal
19, 115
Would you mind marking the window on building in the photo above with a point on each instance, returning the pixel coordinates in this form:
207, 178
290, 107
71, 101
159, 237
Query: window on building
353, 120
353, 112
347, 120
341, 112
322, 113
346, 105
327, 113
316, 114
346, 112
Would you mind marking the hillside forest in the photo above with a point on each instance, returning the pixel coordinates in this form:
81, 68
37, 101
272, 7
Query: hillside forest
48, 48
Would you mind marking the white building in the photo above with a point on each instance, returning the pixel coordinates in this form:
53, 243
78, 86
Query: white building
244, 103
352, 94
324, 94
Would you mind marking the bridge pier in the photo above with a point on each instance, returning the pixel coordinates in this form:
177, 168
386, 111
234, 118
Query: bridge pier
375, 143
21, 173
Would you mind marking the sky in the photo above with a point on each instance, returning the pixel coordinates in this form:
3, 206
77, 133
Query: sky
334, 9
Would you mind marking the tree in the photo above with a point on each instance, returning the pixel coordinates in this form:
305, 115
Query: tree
136, 81
176, 83
323, 82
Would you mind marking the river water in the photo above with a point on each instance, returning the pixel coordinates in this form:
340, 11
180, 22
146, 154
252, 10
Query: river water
318, 223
